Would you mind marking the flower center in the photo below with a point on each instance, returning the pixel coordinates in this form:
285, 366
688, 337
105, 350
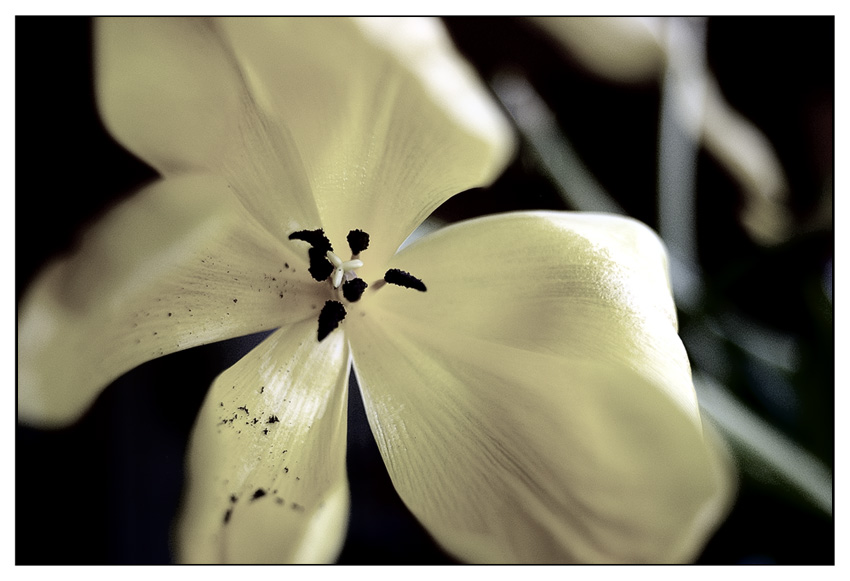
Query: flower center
325, 264
342, 270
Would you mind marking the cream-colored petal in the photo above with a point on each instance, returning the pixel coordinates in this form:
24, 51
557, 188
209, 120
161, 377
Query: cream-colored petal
267, 480
535, 403
178, 264
171, 90
629, 49
626, 49
578, 284
749, 157
389, 120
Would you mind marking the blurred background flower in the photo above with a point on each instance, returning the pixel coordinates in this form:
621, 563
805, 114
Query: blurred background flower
748, 222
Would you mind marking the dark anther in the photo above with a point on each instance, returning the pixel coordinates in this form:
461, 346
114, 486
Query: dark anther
329, 319
315, 238
227, 515
353, 289
405, 279
259, 493
320, 267
358, 241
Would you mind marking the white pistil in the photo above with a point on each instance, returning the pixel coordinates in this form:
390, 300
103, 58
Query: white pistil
342, 269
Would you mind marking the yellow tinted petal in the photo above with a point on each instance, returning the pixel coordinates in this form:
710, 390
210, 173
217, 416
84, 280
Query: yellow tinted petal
178, 264
535, 404
578, 284
171, 91
267, 480
389, 120
628, 49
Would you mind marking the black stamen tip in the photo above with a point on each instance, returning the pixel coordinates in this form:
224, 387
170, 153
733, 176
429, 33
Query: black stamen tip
329, 319
320, 267
358, 241
405, 279
315, 238
353, 289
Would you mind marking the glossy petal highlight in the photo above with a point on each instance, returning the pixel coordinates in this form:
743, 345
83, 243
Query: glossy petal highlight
583, 285
178, 264
535, 405
267, 480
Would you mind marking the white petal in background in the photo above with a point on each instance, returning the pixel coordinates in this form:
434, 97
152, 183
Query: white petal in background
646, 49
623, 49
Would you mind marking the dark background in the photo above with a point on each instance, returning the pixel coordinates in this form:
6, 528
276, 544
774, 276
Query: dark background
106, 489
